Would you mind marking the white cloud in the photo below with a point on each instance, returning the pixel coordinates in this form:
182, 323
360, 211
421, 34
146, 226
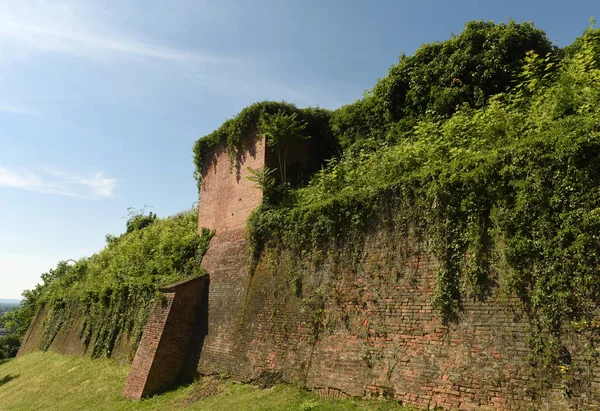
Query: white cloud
58, 182
71, 28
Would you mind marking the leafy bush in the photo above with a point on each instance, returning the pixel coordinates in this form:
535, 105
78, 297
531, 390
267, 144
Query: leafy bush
282, 130
478, 63
246, 122
484, 60
9, 346
138, 219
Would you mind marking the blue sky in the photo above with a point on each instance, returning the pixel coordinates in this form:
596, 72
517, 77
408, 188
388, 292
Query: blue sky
101, 102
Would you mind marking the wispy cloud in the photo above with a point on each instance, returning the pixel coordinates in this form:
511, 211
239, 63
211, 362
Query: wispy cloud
69, 28
58, 182
18, 110
78, 28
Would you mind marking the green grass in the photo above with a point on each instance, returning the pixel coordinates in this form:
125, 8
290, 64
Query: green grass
50, 381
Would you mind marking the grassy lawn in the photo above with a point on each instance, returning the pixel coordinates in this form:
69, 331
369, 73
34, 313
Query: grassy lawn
48, 381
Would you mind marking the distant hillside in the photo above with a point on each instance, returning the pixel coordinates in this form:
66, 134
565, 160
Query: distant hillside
9, 301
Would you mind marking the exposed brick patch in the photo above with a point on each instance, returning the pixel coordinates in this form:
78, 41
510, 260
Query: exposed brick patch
328, 392
227, 197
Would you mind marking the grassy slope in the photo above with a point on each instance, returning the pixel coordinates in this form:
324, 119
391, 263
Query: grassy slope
49, 381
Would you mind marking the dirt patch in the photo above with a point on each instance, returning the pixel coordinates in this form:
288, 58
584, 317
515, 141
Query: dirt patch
206, 387
267, 379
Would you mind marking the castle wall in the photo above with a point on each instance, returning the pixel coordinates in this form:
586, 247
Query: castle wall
227, 198
372, 331
68, 340
33, 337
162, 353
366, 330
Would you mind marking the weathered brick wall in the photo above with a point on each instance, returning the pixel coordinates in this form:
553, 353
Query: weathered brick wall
226, 195
371, 331
33, 336
227, 264
227, 198
366, 330
363, 331
137, 380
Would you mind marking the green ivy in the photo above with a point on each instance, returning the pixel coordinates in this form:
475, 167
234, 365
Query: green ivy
112, 292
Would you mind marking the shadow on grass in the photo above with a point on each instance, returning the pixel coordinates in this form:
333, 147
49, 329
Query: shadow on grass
8, 378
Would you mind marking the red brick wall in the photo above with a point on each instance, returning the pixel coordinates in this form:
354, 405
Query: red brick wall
227, 198
371, 331
363, 332
226, 195
137, 380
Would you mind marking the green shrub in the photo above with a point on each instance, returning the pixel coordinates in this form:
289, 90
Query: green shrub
247, 121
484, 60
9, 346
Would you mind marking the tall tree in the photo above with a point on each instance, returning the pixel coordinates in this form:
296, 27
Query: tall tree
281, 130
